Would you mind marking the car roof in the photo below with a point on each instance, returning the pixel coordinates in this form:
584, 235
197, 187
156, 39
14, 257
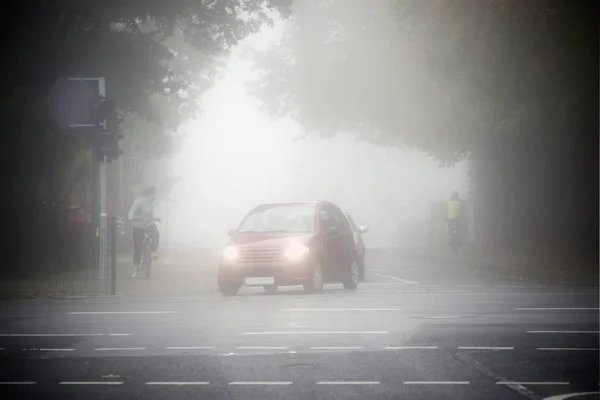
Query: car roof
290, 203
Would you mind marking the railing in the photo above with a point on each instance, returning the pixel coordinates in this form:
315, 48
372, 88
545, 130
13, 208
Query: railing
65, 263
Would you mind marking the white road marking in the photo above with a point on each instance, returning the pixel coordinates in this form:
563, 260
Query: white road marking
533, 383
381, 284
567, 349
262, 348
177, 383
342, 309
570, 395
261, 383
48, 349
119, 312
436, 383
348, 383
61, 334
190, 348
335, 347
484, 348
91, 383
596, 332
18, 383
317, 333
120, 348
411, 347
556, 309
396, 279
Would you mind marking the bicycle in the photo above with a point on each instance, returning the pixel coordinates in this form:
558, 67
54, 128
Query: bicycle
146, 264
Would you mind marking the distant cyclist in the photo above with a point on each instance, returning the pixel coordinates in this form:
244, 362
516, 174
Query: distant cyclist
142, 216
453, 215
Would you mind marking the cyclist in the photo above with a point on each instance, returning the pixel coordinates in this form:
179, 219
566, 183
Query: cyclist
142, 216
453, 215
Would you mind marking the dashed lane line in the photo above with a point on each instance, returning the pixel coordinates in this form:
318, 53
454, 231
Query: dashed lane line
396, 279
48, 349
318, 333
348, 383
262, 348
18, 383
335, 348
111, 383
534, 383
436, 382
119, 312
342, 309
568, 349
411, 347
271, 383
120, 348
570, 332
557, 309
176, 383
61, 334
190, 348
484, 348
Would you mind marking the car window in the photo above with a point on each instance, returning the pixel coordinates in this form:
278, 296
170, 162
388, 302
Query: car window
351, 221
338, 219
325, 219
280, 219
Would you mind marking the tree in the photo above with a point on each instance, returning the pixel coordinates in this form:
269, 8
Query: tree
153, 53
512, 84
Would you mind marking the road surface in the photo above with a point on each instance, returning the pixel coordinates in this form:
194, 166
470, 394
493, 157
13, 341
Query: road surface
411, 331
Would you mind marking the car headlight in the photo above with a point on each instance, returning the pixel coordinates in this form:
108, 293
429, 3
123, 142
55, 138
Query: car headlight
231, 253
296, 252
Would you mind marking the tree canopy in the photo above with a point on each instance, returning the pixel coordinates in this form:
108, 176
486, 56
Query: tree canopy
438, 75
512, 84
129, 42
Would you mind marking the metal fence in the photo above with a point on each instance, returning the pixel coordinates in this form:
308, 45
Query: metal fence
60, 257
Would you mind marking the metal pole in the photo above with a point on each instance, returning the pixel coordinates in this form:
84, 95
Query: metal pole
121, 196
104, 266
113, 254
103, 222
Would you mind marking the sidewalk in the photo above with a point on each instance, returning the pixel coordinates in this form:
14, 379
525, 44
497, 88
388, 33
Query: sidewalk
183, 272
541, 270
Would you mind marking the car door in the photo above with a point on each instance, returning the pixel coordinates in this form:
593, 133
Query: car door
344, 240
329, 243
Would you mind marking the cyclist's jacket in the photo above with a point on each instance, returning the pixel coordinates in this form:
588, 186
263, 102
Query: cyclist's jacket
453, 210
142, 212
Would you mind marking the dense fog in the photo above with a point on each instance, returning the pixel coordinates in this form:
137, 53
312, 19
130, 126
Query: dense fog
236, 157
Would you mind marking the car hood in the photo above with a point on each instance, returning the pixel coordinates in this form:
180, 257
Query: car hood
269, 240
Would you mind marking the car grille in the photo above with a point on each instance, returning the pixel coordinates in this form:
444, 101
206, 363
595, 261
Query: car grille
260, 255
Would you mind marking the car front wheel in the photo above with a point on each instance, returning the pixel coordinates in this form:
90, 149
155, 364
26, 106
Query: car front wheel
315, 282
351, 276
361, 268
229, 288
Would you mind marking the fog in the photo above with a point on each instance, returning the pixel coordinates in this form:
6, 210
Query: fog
236, 157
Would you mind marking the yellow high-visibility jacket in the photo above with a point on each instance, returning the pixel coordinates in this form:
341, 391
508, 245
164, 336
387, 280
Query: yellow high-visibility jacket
453, 209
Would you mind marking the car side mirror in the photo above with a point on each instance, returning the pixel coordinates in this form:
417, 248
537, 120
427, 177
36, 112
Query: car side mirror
363, 229
332, 230
232, 232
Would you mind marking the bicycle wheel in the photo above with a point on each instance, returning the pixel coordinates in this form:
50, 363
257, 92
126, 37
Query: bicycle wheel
147, 262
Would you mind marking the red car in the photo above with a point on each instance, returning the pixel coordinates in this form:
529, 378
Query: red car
283, 244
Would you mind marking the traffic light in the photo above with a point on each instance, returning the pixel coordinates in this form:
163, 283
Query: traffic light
106, 133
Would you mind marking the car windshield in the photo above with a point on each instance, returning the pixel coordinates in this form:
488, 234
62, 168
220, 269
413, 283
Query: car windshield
280, 219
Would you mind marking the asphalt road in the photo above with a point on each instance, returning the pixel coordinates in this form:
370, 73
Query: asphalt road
412, 331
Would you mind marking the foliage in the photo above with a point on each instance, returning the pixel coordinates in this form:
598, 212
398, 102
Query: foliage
513, 84
438, 75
